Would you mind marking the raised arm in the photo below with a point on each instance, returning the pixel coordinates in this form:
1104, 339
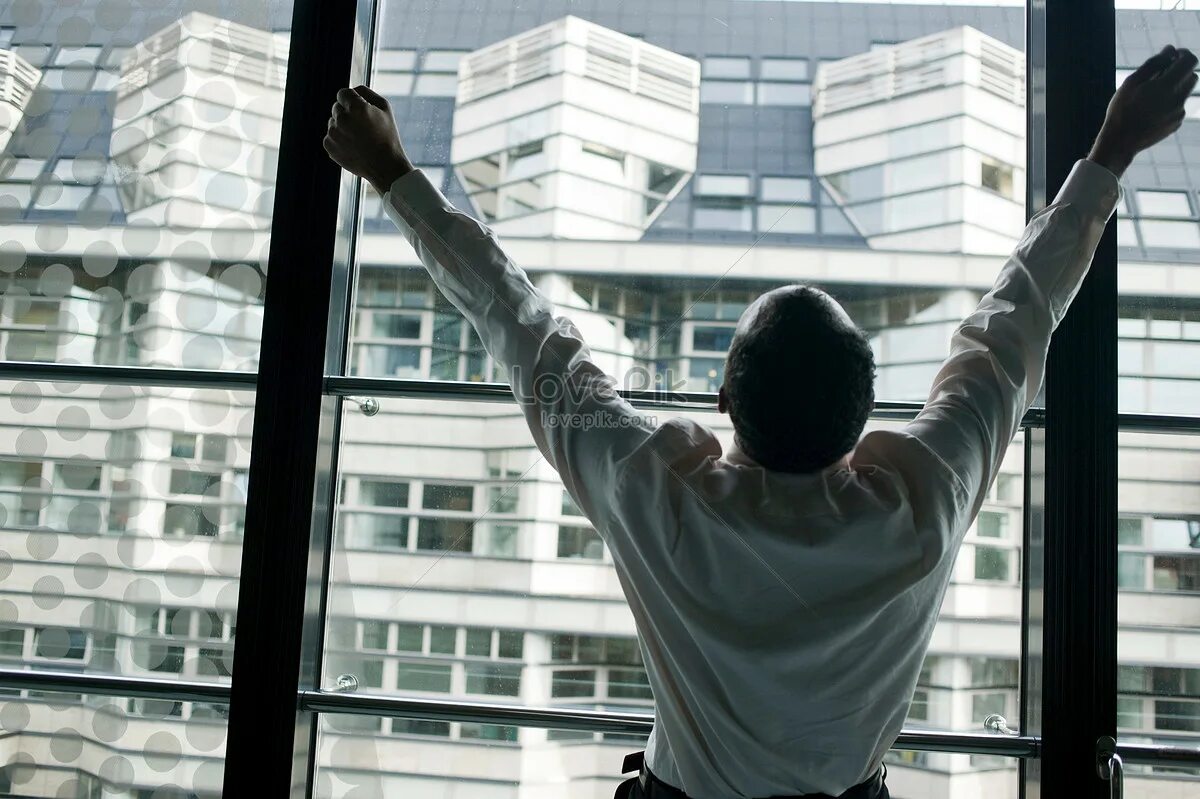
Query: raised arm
998, 354
578, 420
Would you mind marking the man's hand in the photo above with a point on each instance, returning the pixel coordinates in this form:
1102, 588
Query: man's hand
362, 138
1146, 109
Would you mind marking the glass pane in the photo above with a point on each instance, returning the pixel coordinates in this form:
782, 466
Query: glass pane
78, 746
1159, 584
137, 181
1159, 247
543, 620
704, 160
363, 756
121, 519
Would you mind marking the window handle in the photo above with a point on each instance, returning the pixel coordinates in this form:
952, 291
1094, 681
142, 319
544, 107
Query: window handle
1110, 767
368, 405
345, 684
998, 724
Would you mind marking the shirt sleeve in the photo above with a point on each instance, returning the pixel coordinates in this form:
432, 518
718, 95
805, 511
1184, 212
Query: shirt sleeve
997, 359
578, 420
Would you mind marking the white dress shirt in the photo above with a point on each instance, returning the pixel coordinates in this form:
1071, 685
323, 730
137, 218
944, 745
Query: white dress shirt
783, 618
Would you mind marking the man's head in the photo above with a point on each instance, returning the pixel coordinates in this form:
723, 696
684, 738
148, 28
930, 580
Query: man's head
799, 380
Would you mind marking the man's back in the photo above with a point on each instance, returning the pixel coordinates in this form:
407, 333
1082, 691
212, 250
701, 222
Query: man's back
783, 617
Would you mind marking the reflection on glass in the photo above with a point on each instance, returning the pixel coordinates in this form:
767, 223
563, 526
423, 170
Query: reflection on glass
462, 570
1158, 576
379, 756
72, 745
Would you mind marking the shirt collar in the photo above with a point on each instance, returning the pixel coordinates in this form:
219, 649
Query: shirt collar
737, 457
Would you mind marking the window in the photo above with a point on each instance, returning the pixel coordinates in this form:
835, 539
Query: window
724, 67
442, 640
1173, 235
1164, 203
726, 92
579, 542
427, 678
183, 445
718, 218
990, 524
779, 189
441, 60
715, 339
493, 679
723, 185
383, 494
786, 219
573, 683
59, 643
996, 176
12, 642
992, 563
447, 497
784, 94
156, 255
375, 635
783, 69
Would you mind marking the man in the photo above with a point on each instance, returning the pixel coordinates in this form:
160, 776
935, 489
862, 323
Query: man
785, 591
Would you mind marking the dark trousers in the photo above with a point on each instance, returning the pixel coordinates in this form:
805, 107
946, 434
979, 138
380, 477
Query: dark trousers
648, 786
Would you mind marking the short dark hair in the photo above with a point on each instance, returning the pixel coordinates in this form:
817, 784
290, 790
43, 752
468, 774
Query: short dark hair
800, 382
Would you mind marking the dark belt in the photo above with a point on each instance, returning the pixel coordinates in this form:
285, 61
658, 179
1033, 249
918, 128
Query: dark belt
654, 788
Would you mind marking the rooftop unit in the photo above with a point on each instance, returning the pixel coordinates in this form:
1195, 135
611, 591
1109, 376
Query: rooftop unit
18, 79
923, 142
192, 104
572, 130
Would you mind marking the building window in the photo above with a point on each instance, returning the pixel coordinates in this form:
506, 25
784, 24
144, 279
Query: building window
785, 190
447, 535
723, 186
410, 637
1131, 571
1173, 204
382, 493
12, 642
447, 497
478, 642
443, 640
573, 683
510, 644
423, 677
438, 729
375, 635
1171, 235
787, 219
722, 218
726, 67
712, 339
493, 679
990, 524
726, 92
992, 563
783, 69
579, 542
183, 445
997, 176
784, 94
1177, 573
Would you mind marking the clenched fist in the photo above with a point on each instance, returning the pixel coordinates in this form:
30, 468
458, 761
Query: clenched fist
362, 138
1147, 108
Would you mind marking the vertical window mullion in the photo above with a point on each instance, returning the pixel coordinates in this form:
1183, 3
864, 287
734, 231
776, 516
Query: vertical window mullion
1072, 664
269, 742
